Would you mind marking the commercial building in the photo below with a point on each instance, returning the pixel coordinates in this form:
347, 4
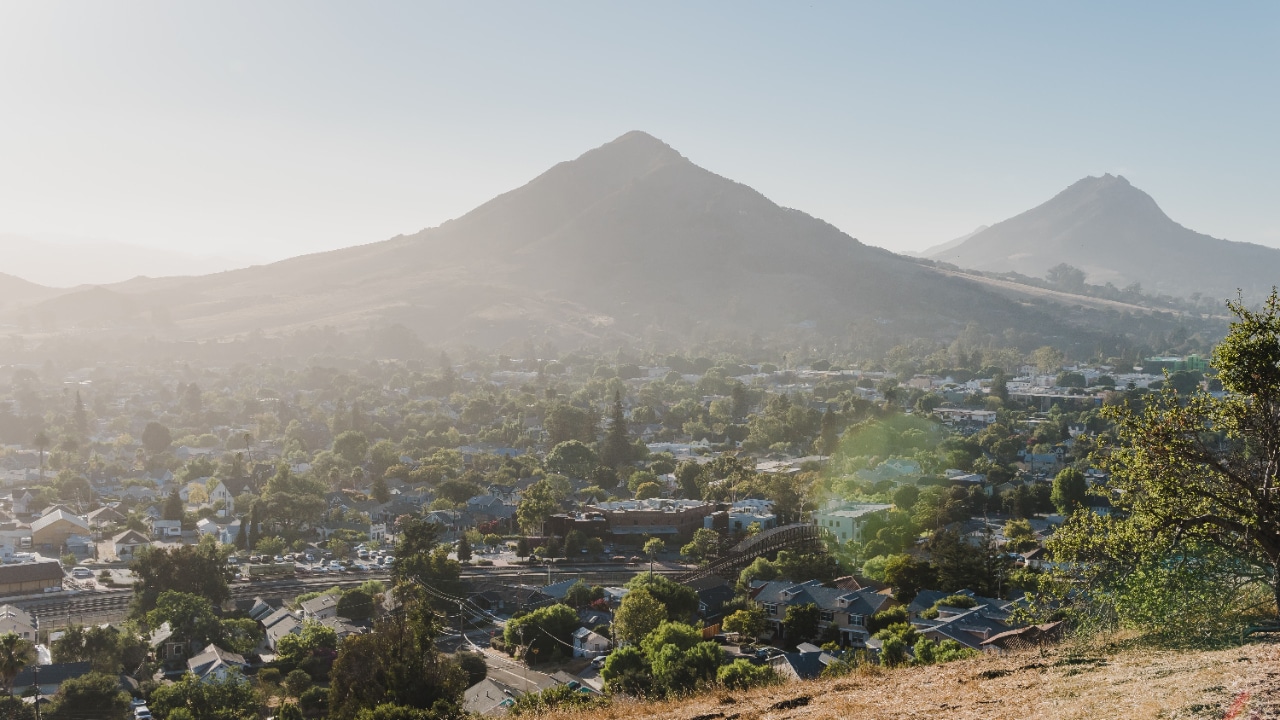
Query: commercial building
845, 522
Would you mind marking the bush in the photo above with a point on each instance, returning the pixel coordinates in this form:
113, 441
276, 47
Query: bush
297, 682
742, 674
269, 676
474, 665
314, 700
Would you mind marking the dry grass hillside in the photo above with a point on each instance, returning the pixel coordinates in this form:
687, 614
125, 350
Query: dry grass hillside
1240, 683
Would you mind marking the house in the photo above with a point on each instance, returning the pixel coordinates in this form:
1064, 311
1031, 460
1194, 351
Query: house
104, 517
278, 624
127, 543
589, 644
487, 508
845, 522
166, 529
489, 697
53, 529
213, 664
221, 492
1031, 636
970, 627
341, 628
320, 608
30, 577
848, 611
164, 647
713, 593
806, 663
18, 622
51, 676
206, 526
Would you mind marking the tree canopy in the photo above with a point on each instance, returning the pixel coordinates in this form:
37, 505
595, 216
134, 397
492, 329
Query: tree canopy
1194, 483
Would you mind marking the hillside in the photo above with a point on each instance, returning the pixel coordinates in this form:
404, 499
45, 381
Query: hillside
630, 241
1117, 233
1056, 685
15, 290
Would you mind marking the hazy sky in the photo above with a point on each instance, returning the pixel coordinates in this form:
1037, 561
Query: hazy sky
265, 130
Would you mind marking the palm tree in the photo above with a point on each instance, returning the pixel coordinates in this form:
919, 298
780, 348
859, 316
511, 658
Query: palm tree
15, 654
41, 441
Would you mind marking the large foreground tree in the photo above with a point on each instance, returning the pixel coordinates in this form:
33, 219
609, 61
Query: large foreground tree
1195, 481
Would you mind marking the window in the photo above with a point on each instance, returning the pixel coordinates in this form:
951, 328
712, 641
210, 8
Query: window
828, 616
857, 620
771, 608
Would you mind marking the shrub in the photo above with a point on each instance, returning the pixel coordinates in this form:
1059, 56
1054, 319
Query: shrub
269, 676
742, 674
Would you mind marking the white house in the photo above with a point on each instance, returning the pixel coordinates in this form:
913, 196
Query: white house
166, 529
215, 664
18, 622
220, 492
589, 644
128, 543
320, 608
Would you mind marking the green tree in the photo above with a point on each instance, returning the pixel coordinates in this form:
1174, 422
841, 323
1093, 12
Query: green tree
905, 497
422, 560
156, 438
194, 569
908, 576
748, 622
639, 614
15, 654
96, 695
572, 458
580, 594
296, 649
42, 441
522, 547
703, 547
800, 623
1193, 476
464, 548
296, 682
743, 674
627, 671
190, 617
474, 665
352, 446
1070, 490
543, 632
173, 508
654, 547
616, 449
379, 490
355, 604
231, 699
680, 600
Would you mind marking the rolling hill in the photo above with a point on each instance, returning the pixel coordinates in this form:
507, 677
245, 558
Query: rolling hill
630, 240
1117, 234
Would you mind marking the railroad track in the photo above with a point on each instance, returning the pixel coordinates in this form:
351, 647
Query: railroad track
107, 605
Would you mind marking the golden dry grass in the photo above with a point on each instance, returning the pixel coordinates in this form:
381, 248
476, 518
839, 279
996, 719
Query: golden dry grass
1060, 684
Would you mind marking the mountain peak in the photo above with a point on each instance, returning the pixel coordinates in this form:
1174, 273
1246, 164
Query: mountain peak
634, 148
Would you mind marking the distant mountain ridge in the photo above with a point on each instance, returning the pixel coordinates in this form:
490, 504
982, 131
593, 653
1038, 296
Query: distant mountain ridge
630, 241
1117, 233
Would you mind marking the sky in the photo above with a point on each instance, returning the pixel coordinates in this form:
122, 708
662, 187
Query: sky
258, 131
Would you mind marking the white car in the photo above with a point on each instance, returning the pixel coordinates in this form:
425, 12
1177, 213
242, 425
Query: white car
141, 713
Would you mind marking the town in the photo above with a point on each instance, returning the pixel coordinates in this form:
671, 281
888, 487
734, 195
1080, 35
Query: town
583, 527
